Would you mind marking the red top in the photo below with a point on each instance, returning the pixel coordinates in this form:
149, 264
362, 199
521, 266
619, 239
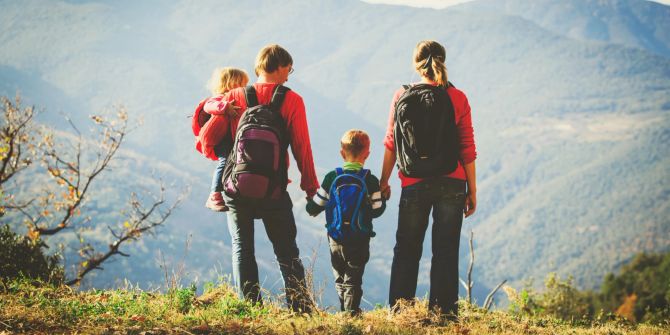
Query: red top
293, 112
463, 125
215, 128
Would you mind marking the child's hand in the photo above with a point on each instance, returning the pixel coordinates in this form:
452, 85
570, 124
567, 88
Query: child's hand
312, 208
232, 110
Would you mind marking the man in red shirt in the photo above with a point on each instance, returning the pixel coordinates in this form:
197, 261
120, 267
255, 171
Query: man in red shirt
273, 66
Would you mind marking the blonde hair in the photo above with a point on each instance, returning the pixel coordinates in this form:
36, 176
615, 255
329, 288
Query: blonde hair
225, 79
429, 61
354, 142
271, 57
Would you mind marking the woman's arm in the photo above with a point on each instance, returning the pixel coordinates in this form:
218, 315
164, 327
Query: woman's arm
471, 195
387, 168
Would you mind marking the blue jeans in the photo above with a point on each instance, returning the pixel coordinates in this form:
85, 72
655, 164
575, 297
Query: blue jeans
446, 198
280, 227
221, 150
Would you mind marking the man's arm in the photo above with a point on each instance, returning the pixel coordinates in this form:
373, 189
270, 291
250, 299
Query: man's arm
302, 148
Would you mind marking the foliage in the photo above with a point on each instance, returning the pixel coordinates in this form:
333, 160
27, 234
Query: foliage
17, 140
73, 161
183, 298
562, 300
641, 291
58, 309
22, 257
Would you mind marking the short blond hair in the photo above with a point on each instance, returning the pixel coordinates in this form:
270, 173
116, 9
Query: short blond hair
354, 142
270, 58
225, 79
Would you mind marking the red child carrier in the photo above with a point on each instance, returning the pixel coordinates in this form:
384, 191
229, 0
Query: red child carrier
200, 117
256, 167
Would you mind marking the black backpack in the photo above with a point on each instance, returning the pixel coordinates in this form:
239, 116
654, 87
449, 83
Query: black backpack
256, 166
426, 139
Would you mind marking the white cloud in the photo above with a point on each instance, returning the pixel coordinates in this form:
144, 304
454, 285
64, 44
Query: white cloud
439, 4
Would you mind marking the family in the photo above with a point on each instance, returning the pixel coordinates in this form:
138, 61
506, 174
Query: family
248, 129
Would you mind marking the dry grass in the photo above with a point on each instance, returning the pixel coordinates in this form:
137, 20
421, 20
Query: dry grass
26, 308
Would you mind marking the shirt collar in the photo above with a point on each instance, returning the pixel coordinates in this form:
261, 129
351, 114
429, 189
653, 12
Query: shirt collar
352, 166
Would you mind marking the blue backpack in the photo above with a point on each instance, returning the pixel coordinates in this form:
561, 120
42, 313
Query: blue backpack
348, 209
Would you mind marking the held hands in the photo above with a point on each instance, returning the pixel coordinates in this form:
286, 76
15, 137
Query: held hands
470, 203
311, 207
232, 110
385, 188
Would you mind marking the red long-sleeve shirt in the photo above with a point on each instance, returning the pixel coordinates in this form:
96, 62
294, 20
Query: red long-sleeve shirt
468, 152
293, 112
214, 130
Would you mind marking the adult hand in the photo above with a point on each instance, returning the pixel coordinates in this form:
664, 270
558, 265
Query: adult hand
385, 188
231, 109
470, 203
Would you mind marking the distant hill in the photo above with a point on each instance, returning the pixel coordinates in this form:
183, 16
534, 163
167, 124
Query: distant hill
639, 24
570, 105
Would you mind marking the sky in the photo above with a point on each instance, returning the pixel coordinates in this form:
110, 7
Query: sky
443, 3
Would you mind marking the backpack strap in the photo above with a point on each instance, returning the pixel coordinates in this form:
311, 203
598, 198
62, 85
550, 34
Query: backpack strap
250, 96
339, 171
278, 97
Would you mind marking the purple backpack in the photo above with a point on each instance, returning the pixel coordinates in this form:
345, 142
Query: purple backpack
256, 167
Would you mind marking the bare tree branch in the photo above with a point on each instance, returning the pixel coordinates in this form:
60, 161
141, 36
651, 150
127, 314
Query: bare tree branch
472, 263
75, 163
78, 190
17, 133
468, 286
139, 224
489, 298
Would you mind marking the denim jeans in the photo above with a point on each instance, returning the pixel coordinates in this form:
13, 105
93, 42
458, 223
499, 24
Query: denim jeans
446, 198
221, 150
348, 260
280, 227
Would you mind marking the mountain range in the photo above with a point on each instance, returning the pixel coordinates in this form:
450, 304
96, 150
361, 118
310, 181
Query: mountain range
570, 103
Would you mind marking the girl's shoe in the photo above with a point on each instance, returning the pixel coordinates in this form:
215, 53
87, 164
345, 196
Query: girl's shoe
216, 203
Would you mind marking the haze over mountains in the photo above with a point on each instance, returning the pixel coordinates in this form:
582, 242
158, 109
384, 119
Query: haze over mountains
570, 104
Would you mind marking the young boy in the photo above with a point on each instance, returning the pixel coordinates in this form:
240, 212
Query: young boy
349, 219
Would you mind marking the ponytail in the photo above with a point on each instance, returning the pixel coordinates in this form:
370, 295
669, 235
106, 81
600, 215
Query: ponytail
429, 62
439, 72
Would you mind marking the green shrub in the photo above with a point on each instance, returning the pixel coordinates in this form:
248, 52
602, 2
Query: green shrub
22, 257
641, 291
560, 300
183, 298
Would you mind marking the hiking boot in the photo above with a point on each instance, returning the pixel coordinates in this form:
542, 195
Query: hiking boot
216, 203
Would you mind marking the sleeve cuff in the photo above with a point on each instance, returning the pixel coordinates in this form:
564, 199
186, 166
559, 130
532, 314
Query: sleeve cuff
467, 159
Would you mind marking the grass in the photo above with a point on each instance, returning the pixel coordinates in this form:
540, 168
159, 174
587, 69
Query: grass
37, 308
